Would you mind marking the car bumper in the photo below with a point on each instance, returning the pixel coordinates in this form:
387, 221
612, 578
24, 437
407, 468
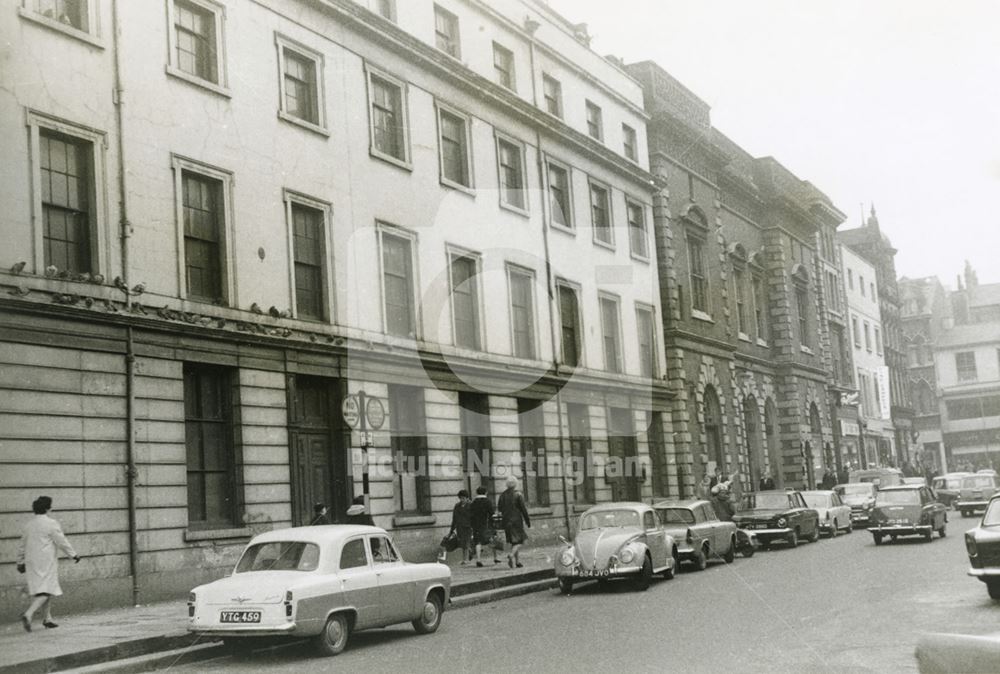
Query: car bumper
901, 529
983, 574
768, 534
579, 573
244, 630
972, 505
859, 516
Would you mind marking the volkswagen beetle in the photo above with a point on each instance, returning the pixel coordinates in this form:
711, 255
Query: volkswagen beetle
322, 582
617, 540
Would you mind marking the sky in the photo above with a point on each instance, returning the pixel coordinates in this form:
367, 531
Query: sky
891, 102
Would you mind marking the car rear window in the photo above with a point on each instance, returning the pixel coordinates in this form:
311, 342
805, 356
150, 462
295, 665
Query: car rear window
279, 556
767, 501
898, 497
853, 489
676, 516
977, 482
817, 500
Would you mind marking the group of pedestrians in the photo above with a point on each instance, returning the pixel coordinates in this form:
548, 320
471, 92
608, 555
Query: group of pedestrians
475, 523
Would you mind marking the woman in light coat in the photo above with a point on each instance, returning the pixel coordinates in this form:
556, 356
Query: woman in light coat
38, 557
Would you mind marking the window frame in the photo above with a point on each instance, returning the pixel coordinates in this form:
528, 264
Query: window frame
579, 335
452, 253
630, 139
959, 369
511, 73
602, 297
455, 39
384, 229
512, 270
372, 72
569, 227
557, 99
644, 255
100, 245
593, 183
227, 263
598, 122
740, 301
800, 292
442, 108
421, 483
868, 336
499, 139
218, 12
654, 361
91, 34
291, 198
283, 44
703, 312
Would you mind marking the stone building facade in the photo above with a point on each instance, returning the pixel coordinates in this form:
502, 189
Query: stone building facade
224, 219
745, 248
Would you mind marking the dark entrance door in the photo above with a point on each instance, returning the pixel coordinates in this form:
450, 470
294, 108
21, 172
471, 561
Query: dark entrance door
319, 456
626, 482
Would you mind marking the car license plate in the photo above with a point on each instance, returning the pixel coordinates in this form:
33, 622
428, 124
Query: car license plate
897, 521
239, 617
592, 573
760, 525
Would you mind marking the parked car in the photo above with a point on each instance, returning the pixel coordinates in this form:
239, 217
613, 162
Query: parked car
617, 540
860, 497
777, 515
906, 510
880, 477
947, 487
834, 515
700, 535
983, 546
975, 492
322, 582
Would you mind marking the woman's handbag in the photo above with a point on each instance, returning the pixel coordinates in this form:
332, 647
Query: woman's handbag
450, 542
497, 542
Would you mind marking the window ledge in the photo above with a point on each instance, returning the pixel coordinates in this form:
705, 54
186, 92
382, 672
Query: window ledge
743, 337
413, 520
198, 82
565, 229
762, 342
610, 245
514, 209
540, 510
76, 33
701, 316
309, 126
640, 258
389, 159
582, 507
458, 187
216, 534
805, 349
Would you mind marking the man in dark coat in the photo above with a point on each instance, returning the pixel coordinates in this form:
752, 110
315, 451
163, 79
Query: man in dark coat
766, 482
514, 515
461, 523
480, 513
319, 515
357, 514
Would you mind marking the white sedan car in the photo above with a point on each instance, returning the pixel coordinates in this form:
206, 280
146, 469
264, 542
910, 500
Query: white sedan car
322, 582
834, 515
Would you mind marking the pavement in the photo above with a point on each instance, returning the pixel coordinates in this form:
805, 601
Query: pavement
120, 637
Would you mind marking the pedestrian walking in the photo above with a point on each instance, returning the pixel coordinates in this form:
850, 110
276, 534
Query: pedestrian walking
481, 513
358, 514
461, 524
38, 558
843, 475
514, 516
320, 515
829, 481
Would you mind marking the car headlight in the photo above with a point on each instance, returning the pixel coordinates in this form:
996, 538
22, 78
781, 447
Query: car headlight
567, 557
627, 556
782, 521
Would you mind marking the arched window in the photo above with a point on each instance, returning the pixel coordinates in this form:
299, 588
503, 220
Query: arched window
713, 428
925, 398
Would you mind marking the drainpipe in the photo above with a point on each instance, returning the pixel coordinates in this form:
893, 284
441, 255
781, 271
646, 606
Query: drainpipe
530, 28
125, 234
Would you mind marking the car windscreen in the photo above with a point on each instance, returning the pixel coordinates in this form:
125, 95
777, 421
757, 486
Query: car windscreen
853, 489
676, 516
897, 497
817, 500
767, 501
609, 518
977, 482
279, 556
992, 516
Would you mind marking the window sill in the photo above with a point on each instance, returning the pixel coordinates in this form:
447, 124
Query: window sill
640, 258
744, 337
701, 316
806, 349
762, 342
565, 229
540, 510
609, 245
582, 507
52, 24
458, 187
216, 534
515, 209
413, 520
389, 159
198, 82
307, 125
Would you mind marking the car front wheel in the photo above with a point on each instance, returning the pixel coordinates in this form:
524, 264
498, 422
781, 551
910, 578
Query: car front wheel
669, 573
700, 559
430, 617
850, 527
793, 539
566, 585
645, 576
835, 530
730, 555
333, 639
993, 587
877, 538
814, 536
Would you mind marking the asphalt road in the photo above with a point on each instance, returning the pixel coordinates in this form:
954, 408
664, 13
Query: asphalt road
840, 605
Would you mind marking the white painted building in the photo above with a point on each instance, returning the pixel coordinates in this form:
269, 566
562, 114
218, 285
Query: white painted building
444, 205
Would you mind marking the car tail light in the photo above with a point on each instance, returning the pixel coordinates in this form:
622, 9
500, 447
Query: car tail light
970, 546
690, 537
288, 604
191, 600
